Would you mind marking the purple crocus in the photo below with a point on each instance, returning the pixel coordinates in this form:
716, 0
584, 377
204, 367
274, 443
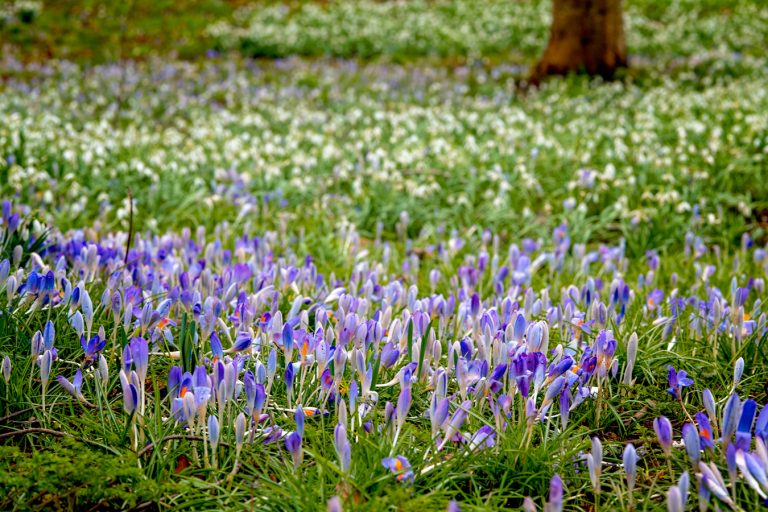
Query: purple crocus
663, 428
692, 443
293, 444
677, 381
343, 448
555, 503
400, 466
74, 387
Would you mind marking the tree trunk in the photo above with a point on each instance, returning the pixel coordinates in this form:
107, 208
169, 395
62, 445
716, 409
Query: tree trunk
585, 36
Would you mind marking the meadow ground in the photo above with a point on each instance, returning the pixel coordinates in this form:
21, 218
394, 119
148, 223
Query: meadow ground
331, 254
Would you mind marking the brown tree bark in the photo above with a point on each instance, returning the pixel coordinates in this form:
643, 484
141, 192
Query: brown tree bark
586, 36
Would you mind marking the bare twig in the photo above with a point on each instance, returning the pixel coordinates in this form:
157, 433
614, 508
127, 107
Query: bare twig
16, 413
35, 430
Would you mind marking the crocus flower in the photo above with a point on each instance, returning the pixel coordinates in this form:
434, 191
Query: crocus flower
631, 358
334, 504
403, 405
753, 469
744, 428
663, 429
730, 420
343, 448
692, 443
630, 466
457, 420
130, 394
674, 500
677, 381
73, 388
400, 466
595, 464
705, 431
213, 435
92, 348
485, 437
45, 361
555, 503
7, 369
240, 424
294, 446
738, 371
299, 416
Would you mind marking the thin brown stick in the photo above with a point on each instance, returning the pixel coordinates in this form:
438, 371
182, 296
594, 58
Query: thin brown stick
35, 430
151, 446
16, 413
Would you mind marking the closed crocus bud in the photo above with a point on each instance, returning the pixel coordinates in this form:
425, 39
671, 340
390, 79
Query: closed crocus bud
630, 466
334, 504
738, 371
294, 446
555, 503
631, 358
731, 414
529, 505
102, 372
45, 368
7, 369
709, 405
663, 428
674, 500
240, 423
595, 463
692, 443
299, 416
130, 394
683, 485
213, 431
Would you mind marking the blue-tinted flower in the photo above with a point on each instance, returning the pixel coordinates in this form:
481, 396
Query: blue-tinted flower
630, 466
663, 429
343, 448
7, 369
213, 432
730, 420
400, 466
705, 431
744, 428
74, 387
92, 348
555, 502
130, 394
677, 381
485, 437
692, 443
293, 444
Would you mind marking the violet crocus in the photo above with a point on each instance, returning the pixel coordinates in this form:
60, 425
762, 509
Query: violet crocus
677, 381
692, 443
74, 387
400, 466
595, 464
7, 370
213, 437
293, 444
663, 428
453, 427
630, 469
555, 502
343, 448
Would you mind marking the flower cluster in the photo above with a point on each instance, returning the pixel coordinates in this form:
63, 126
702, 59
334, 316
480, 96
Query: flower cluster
261, 342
